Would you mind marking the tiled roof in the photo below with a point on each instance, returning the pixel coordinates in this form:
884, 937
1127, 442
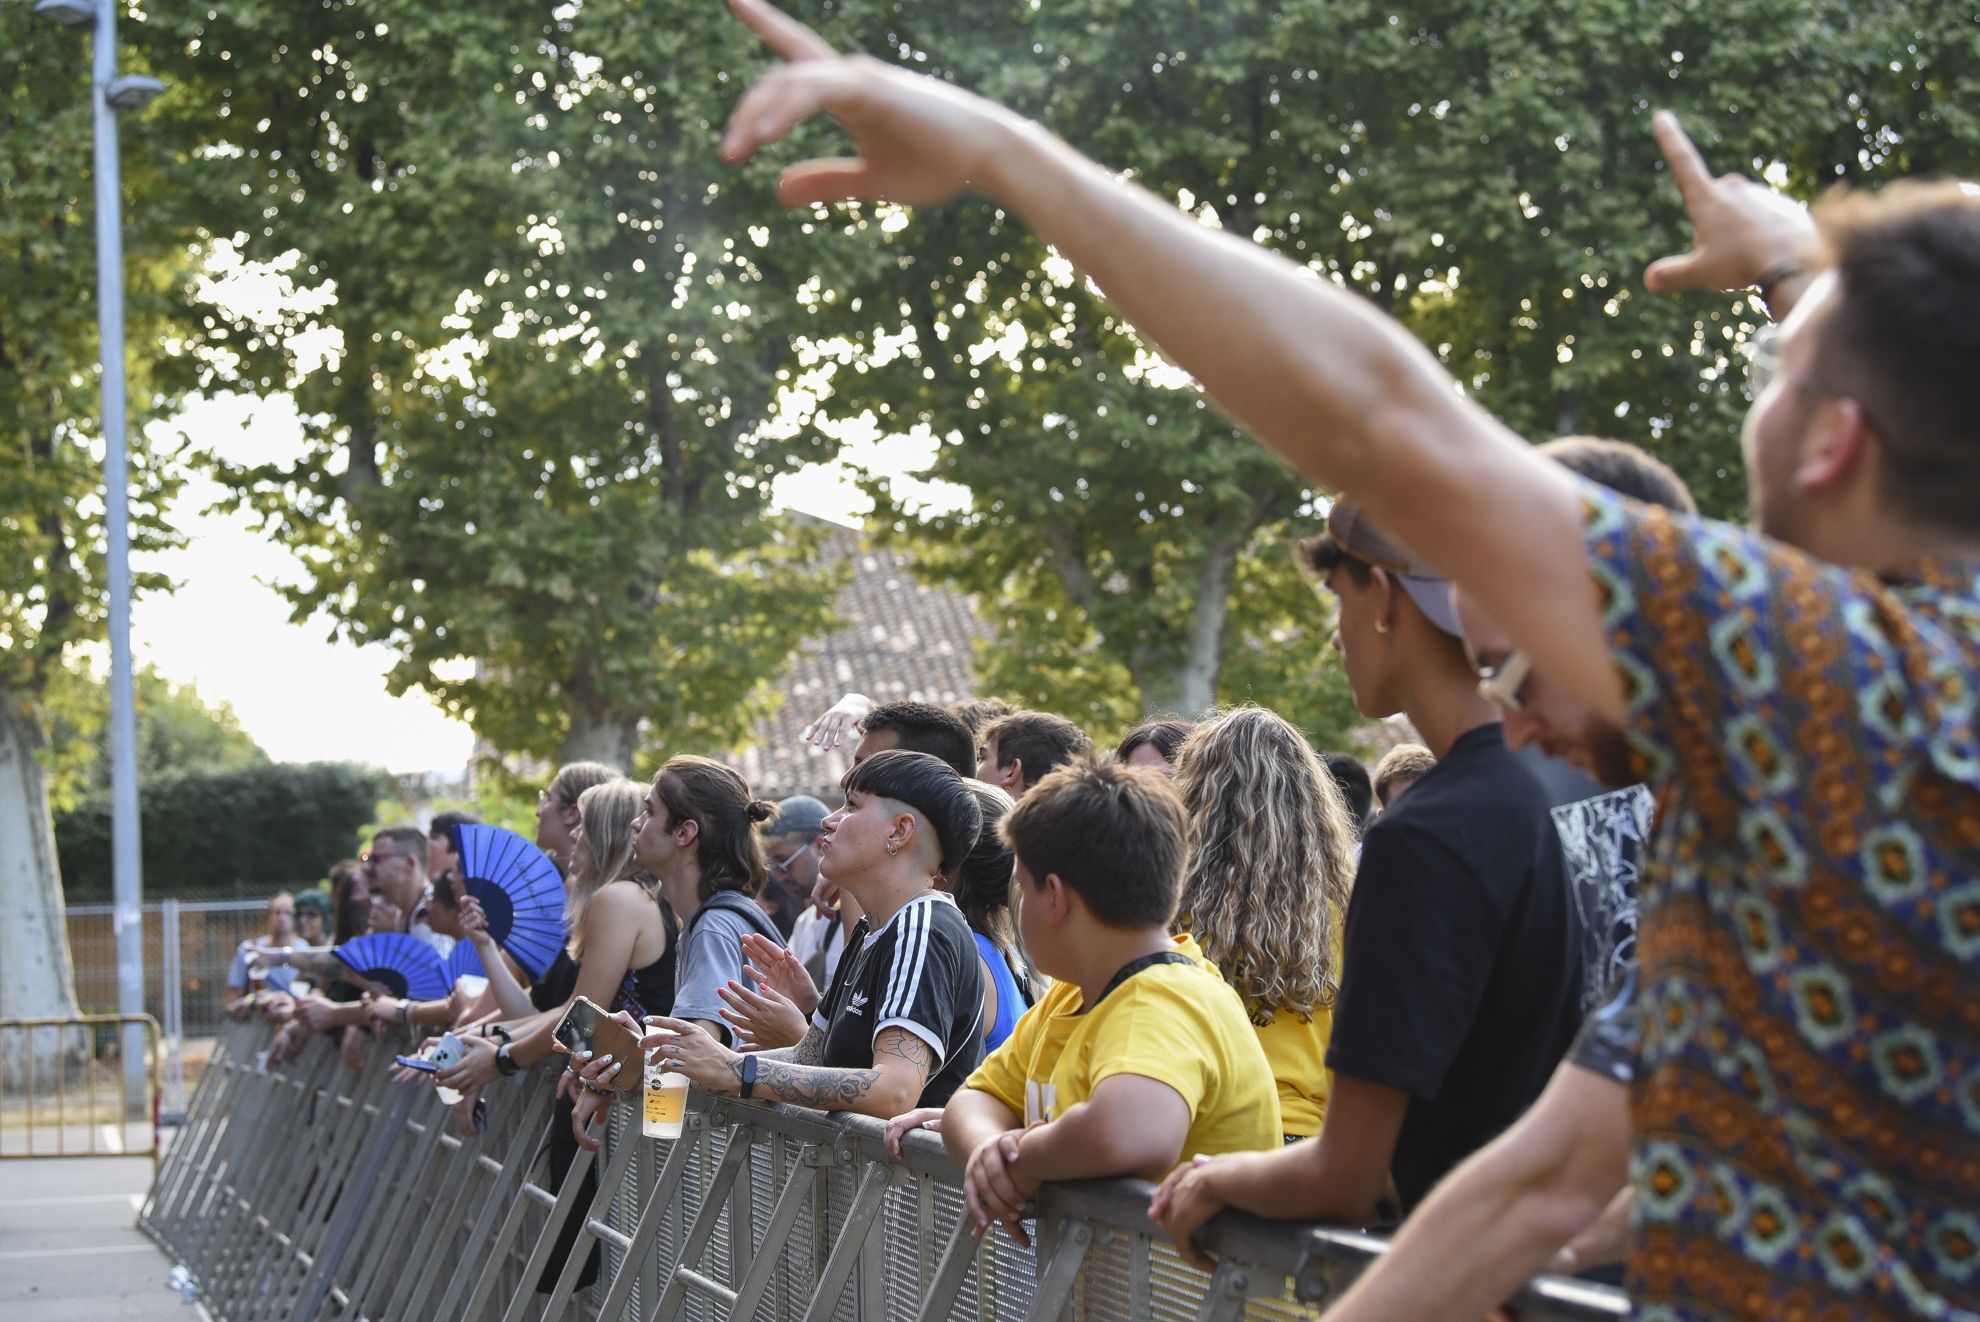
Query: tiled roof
901, 639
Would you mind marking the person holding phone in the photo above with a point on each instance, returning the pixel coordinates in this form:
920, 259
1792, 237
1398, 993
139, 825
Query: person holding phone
902, 1024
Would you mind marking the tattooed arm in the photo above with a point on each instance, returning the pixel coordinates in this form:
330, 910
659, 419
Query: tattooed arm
901, 1065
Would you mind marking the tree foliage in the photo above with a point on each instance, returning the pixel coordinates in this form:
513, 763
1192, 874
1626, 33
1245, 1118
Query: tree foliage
244, 832
536, 465
177, 731
1483, 171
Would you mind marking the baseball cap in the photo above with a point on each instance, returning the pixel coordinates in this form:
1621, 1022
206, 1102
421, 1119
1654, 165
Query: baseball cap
798, 815
1349, 529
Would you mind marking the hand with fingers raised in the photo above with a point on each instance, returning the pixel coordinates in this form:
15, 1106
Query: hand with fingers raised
774, 968
839, 722
1744, 234
764, 1019
919, 140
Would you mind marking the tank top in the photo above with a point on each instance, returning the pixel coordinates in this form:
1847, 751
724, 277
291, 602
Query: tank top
1011, 1000
650, 990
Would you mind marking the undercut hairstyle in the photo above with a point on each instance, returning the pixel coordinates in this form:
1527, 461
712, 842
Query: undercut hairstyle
1117, 836
1624, 469
932, 788
408, 840
1271, 861
1401, 767
1042, 741
605, 816
922, 728
985, 884
574, 778
978, 713
1164, 734
725, 813
1901, 339
1351, 779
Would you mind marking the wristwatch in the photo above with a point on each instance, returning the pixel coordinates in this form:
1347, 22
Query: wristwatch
504, 1061
748, 1076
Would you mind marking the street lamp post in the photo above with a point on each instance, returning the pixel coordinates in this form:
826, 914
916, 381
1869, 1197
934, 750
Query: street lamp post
109, 94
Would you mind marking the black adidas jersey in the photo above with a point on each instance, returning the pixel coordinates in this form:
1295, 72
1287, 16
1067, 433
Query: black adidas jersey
919, 973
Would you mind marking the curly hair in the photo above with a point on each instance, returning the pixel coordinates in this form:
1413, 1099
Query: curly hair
1271, 861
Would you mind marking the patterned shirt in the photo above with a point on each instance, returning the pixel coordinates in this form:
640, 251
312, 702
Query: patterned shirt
1807, 1103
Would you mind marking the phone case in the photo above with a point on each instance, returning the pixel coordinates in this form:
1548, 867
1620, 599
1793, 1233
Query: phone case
592, 1029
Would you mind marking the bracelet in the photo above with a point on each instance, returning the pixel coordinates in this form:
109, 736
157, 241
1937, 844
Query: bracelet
405, 1012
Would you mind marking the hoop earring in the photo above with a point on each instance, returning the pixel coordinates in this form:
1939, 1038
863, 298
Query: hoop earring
1381, 626
891, 850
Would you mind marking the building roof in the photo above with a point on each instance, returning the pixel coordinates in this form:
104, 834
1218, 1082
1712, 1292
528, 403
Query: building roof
901, 639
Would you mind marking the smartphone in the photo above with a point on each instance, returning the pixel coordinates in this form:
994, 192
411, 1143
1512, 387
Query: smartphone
420, 1063
587, 1027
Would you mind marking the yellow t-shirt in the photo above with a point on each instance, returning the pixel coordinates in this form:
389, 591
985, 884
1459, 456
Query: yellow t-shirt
1179, 1024
1297, 1053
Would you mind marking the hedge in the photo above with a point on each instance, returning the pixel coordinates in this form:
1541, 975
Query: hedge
227, 833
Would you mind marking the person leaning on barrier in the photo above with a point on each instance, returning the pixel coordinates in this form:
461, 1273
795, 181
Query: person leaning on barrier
1551, 1192
1265, 892
1802, 696
903, 1023
1140, 1054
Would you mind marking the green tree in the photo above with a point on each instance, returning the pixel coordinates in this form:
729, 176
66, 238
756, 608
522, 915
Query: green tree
52, 581
1478, 170
536, 465
177, 731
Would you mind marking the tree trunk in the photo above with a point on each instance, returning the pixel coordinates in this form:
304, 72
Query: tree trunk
36, 976
1189, 688
610, 741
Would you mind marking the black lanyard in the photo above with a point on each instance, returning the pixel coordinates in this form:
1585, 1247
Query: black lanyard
1134, 966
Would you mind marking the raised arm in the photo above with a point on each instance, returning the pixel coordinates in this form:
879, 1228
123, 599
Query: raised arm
1342, 392
509, 993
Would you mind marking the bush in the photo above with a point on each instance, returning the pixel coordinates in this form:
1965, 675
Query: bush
244, 832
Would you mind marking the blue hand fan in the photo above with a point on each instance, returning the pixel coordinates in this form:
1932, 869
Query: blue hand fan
520, 890
279, 978
403, 965
464, 962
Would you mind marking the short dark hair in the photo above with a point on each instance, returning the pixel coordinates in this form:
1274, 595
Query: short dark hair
1901, 339
1320, 555
443, 824
977, 713
924, 728
1624, 469
717, 800
1352, 779
932, 788
1044, 742
1117, 835
410, 839
1164, 734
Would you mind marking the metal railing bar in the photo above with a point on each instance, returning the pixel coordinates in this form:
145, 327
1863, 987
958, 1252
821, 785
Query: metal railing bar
839, 1266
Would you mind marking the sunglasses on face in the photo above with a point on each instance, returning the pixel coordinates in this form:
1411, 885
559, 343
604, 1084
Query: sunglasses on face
1501, 685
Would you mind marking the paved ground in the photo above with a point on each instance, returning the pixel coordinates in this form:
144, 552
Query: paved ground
69, 1249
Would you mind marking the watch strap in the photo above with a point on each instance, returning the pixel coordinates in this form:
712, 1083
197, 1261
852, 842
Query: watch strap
748, 1076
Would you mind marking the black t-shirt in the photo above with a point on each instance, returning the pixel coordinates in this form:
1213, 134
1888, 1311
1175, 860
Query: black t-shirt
1462, 978
919, 973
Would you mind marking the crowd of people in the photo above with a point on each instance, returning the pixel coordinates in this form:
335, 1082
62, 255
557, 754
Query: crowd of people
1660, 944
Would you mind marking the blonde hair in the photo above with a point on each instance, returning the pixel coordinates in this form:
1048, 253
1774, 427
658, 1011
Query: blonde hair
1271, 860
605, 814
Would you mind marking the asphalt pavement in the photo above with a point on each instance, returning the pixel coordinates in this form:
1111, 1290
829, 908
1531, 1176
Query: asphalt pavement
70, 1250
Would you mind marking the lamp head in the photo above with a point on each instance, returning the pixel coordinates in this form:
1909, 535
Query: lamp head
69, 13
133, 91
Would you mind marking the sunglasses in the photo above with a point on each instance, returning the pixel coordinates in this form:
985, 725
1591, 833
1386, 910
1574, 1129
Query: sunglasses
1501, 685
783, 869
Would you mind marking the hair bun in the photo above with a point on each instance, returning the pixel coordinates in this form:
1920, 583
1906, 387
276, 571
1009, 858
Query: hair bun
760, 810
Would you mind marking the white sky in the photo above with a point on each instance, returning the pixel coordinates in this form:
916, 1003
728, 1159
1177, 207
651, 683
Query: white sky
302, 696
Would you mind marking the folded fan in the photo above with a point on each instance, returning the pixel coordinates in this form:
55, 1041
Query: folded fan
520, 890
403, 965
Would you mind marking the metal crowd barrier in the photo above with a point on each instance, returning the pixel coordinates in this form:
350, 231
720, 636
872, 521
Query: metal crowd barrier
311, 1192
61, 1095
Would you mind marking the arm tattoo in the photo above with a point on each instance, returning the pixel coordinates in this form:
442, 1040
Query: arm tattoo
802, 1081
811, 1051
899, 1042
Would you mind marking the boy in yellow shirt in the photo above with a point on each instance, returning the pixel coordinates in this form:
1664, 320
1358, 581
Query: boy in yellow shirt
1140, 1055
